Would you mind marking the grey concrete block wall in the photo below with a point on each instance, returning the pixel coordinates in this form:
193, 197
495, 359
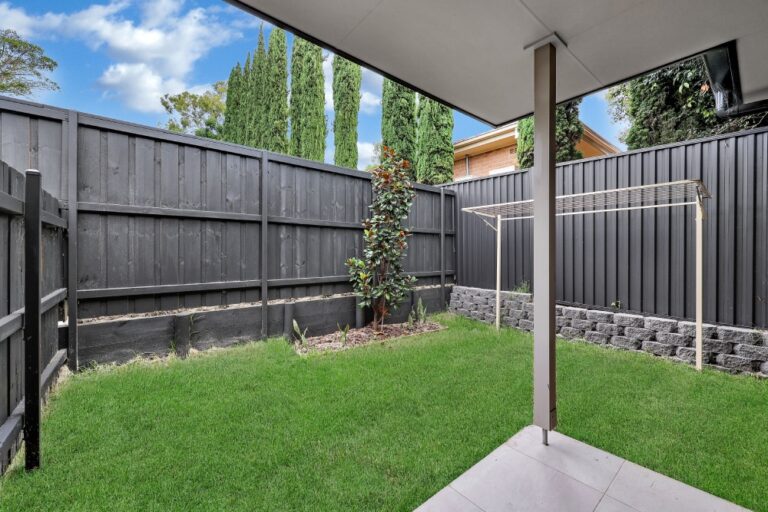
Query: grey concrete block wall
727, 348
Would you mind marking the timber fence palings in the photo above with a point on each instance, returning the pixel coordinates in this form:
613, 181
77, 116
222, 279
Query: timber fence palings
26, 339
202, 221
166, 221
641, 261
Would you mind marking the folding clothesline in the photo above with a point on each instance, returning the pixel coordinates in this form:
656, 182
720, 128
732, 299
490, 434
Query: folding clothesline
658, 195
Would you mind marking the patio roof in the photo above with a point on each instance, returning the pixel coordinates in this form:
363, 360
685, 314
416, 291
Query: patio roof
477, 56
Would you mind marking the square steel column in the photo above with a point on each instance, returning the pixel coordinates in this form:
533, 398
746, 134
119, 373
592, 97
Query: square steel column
544, 376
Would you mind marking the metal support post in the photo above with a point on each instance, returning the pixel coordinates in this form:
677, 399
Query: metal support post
544, 375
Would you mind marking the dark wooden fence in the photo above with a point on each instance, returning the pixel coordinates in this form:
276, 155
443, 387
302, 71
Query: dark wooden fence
18, 320
167, 221
642, 260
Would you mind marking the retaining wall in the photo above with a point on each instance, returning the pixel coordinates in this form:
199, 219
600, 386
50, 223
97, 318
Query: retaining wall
727, 348
119, 339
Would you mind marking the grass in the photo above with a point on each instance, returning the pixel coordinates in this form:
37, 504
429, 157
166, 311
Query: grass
376, 428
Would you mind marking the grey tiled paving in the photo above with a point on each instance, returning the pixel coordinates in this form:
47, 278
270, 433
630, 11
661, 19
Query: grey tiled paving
566, 476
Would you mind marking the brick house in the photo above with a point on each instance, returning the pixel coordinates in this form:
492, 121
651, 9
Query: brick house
495, 151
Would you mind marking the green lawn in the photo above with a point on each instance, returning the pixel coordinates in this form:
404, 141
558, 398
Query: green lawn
377, 428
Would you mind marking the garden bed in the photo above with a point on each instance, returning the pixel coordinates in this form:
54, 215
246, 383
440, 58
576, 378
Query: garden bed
336, 341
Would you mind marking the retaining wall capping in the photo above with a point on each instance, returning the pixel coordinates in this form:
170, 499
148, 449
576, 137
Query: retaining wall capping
726, 348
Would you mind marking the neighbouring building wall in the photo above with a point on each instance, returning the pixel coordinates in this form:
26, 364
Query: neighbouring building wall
496, 152
484, 164
726, 348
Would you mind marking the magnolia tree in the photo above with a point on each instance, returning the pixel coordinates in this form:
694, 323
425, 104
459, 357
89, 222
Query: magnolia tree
378, 278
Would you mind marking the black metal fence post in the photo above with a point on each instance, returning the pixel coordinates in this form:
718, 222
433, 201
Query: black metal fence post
32, 231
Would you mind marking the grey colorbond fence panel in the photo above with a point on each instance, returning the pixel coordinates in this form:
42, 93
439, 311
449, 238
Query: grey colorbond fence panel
644, 259
52, 288
163, 216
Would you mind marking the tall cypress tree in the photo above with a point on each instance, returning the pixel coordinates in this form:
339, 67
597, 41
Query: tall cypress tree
276, 94
347, 78
233, 105
398, 119
307, 101
434, 144
296, 100
243, 116
256, 106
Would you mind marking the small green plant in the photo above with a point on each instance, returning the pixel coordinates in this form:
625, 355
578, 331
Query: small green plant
616, 304
301, 336
417, 315
410, 322
523, 287
343, 332
421, 312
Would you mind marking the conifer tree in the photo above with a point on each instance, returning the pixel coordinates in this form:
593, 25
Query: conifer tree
347, 78
434, 144
276, 94
233, 105
296, 102
242, 117
307, 101
398, 119
256, 105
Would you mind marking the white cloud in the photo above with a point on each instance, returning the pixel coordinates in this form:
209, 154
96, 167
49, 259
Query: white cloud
17, 19
328, 80
369, 102
372, 81
153, 56
139, 86
366, 154
155, 13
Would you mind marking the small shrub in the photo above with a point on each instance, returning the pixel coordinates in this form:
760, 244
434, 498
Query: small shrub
417, 315
411, 321
421, 312
616, 304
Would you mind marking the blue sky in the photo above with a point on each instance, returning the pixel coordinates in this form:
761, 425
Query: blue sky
117, 57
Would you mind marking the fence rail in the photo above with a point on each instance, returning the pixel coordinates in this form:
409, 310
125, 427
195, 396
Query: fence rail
641, 261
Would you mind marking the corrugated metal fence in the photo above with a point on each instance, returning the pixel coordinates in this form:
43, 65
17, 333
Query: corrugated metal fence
167, 221
641, 260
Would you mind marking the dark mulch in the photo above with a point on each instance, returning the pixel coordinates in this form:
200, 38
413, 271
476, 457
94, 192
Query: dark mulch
364, 336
